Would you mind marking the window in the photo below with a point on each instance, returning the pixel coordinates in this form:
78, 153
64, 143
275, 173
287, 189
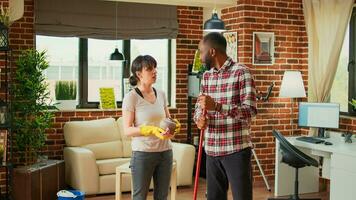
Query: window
143, 47
87, 62
62, 57
344, 86
340, 86
103, 72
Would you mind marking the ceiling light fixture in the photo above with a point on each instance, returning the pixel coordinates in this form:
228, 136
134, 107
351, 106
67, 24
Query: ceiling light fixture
116, 55
214, 24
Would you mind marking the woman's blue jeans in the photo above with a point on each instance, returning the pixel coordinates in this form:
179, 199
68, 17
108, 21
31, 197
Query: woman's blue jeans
144, 166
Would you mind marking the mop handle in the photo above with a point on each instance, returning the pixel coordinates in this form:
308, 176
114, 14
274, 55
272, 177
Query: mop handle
197, 170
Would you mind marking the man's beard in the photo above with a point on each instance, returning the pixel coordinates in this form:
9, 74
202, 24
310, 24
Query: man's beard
208, 63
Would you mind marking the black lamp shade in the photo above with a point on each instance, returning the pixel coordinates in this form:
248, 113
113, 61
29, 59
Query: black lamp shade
214, 24
117, 55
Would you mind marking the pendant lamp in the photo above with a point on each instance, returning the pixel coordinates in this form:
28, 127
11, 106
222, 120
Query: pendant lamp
214, 24
116, 55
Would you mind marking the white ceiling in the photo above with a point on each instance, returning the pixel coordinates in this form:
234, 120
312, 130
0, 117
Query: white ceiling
199, 3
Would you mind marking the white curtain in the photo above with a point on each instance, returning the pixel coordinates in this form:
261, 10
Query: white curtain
326, 22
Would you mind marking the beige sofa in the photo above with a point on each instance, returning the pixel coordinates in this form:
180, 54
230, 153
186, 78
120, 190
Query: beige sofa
95, 148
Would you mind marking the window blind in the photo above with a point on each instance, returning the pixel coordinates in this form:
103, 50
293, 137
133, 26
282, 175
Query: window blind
96, 19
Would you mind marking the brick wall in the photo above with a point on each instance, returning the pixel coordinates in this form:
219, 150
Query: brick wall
190, 20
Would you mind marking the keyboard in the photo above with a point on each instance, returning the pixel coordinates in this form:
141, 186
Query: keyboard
310, 139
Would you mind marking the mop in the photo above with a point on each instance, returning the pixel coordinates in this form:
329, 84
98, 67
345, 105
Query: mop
197, 170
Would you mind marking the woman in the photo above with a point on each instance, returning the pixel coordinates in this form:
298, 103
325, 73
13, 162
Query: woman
143, 108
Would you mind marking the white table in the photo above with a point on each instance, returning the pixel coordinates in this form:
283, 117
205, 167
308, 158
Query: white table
339, 165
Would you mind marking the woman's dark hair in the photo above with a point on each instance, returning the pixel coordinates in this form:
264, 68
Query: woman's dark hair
140, 62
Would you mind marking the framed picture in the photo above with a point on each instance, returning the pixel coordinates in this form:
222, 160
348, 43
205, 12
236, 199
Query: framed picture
263, 48
231, 47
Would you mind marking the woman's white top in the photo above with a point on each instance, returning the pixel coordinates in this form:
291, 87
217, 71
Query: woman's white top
147, 113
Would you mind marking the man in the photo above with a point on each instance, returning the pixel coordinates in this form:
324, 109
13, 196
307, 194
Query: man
229, 98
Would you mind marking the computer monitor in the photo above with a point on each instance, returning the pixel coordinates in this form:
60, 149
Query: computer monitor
319, 115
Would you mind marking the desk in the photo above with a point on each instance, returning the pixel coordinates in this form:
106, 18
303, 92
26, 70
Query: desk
339, 165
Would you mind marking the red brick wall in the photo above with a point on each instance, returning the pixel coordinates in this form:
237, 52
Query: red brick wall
190, 20
347, 124
285, 19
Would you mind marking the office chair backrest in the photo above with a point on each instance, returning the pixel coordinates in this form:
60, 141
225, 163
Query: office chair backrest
292, 155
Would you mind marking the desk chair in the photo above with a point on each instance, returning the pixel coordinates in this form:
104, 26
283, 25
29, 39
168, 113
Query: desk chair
294, 158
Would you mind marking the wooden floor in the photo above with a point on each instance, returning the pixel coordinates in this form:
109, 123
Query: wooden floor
186, 193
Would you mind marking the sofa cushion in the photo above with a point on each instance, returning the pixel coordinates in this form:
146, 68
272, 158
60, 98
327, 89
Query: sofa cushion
79, 133
126, 141
108, 166
106, 150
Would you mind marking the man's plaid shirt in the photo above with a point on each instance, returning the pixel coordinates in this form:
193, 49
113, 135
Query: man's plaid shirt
228, 130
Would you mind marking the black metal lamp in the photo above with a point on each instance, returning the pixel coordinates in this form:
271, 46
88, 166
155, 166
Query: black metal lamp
214, 24
4, 37
3, 112
116, 55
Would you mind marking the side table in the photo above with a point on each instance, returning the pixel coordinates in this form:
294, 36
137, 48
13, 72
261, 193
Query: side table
40, 181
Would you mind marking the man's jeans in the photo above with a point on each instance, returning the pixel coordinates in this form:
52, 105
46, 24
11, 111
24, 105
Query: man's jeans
234, 168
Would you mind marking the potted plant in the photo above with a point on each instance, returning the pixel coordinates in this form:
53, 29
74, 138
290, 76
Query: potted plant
29, 105
198, 67
66, 94
353, 104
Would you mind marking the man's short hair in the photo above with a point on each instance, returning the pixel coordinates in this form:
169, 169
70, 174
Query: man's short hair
216, 41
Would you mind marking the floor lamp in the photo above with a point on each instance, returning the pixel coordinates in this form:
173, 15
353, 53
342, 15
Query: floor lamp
292, 87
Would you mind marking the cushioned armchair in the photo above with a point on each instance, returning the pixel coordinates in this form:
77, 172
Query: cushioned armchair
95, 148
